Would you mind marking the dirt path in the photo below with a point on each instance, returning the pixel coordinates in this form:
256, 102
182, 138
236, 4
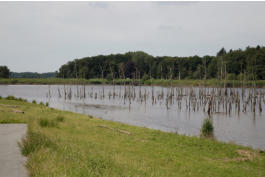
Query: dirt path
12, 163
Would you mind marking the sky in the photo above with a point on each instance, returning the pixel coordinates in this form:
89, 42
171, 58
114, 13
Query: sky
42, 36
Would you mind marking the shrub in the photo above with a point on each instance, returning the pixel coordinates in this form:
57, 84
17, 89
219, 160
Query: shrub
109, 77
145, 77
44, 122
60, 118
41, 103
231, 76
14, 81
10, 98
21, 99
207, 128
34, 102
96, 81
47, 104
33, 142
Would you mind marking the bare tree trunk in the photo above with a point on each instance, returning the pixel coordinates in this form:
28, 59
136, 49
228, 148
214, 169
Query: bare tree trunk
75, 70
205, 71
179, 69
161, 73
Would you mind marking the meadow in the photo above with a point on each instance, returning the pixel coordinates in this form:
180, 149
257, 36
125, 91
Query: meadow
61, 143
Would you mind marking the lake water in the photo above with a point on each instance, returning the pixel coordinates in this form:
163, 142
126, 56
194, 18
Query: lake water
236, 118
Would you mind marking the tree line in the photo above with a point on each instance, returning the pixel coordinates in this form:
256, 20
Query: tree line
232, 65
6, 73
32, 75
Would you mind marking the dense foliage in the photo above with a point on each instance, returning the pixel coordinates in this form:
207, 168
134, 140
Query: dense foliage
4, 72
32, 75
235, 64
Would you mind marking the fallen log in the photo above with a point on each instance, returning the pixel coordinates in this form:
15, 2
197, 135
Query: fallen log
104, 126
123, 131
10, 106
15, 111
119, 130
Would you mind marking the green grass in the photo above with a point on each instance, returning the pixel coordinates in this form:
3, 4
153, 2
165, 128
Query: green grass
159, 82
207, 128
81, 145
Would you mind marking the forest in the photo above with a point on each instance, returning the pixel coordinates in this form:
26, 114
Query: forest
248, 64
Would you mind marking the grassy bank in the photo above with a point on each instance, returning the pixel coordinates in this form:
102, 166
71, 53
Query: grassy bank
61, 143
158, 82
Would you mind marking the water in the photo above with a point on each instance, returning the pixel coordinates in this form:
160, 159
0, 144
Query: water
180, 110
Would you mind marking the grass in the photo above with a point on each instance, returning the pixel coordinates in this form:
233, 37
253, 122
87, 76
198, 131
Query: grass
81, 145
159, 82
44, 122
207, 128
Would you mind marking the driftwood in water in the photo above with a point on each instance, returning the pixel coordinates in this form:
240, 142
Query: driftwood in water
210, 105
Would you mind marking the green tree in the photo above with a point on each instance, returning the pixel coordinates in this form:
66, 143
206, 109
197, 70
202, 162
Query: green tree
4, 72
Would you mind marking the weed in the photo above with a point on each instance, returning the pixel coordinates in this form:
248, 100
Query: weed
60, 118
33, 142
44, 122
11, 98
207, 128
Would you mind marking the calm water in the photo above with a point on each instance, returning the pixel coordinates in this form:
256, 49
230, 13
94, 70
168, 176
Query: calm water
183, 112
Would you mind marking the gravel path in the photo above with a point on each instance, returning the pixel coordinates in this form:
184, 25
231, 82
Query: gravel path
12, 162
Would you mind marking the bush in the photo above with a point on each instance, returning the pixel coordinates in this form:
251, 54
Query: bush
47, 104
240, 76
109, 77
14, 81
44, 122
41, 103
34, 102
145, 77
60, 118
33, 142
231, 76
207, 128
97, 81
10, 98
21, 99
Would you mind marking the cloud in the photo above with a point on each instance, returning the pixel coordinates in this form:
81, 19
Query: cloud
175, 3
41, 36
169, 27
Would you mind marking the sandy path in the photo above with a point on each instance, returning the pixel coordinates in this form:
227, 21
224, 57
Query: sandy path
12, 162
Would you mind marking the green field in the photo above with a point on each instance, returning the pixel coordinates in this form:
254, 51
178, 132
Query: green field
158, 82
61, 143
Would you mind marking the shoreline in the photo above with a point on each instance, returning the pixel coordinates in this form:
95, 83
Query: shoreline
214, 83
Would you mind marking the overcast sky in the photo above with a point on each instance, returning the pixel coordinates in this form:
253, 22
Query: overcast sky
41, 36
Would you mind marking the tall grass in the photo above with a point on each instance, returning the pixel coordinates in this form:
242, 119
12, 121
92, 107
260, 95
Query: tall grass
207, 128
33, 142
44, 122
